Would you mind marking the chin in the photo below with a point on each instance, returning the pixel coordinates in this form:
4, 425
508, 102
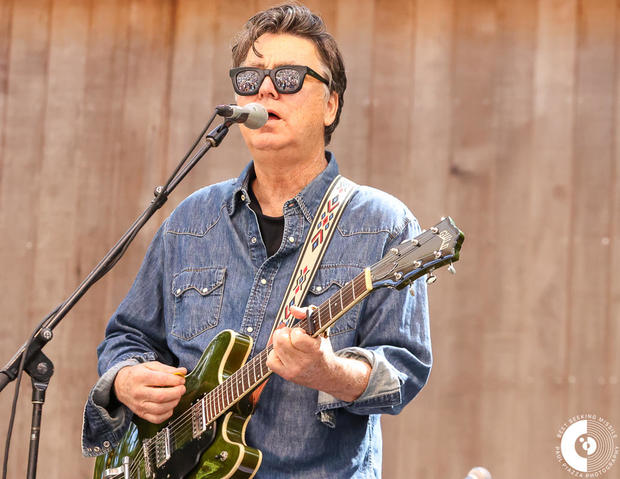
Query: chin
267, 142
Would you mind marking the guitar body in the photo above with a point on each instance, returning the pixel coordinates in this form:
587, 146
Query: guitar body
205, 437
219, 452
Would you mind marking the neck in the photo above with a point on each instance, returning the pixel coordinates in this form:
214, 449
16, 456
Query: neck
277, 180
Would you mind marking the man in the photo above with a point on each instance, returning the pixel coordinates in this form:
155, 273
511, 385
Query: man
223, 260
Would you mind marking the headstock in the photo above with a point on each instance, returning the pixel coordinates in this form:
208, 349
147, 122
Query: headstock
432, 249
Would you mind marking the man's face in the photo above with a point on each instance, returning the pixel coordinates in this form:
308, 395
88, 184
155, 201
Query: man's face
296, 121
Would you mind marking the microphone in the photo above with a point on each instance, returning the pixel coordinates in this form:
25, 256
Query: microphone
479, 473
251, 115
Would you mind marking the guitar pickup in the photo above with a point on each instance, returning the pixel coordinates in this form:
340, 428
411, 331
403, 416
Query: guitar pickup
199, 418
162, 446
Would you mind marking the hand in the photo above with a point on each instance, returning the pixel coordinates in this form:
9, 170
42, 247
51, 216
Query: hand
151, 390
311, 362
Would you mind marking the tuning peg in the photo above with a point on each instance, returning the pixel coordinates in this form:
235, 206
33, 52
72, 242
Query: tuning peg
394, 250
434, 229
437, 254
431, 278
451, 269
412, 289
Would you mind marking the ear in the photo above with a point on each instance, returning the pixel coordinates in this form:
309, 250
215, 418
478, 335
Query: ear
331, 108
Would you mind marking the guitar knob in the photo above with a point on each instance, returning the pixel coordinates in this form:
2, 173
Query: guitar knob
431, 278
222, 456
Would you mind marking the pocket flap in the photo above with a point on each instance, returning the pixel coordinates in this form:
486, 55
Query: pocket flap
204, 280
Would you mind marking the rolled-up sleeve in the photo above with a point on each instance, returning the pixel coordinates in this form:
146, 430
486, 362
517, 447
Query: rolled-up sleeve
394, 338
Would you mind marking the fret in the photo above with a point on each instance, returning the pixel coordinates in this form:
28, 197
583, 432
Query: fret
329, 306
237, 385
247, 370
353, 288
219, 405
340, 294
229, 393
209, 400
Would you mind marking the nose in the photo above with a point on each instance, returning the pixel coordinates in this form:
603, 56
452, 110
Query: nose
267, 88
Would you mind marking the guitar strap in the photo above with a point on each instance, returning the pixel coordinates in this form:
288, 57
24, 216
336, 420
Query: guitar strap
319, 236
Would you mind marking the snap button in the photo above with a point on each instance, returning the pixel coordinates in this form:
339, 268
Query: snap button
106, 443
249, 329
253, 240
96, 448
242, 197
263, 281
319, 288
205, 290
291, 239
179, 291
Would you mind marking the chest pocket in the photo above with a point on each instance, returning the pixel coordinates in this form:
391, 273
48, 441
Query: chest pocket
328, 281
198, 295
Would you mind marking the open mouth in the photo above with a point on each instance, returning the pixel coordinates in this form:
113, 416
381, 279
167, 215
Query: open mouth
273, 116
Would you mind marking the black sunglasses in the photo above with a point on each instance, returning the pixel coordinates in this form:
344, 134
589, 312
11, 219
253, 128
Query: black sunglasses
286, 78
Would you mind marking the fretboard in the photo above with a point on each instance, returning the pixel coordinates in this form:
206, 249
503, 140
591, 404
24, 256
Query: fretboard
198, 418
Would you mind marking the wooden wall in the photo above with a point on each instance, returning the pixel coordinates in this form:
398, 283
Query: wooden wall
504, 114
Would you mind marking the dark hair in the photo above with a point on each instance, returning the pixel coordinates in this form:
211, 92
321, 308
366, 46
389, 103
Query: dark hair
296, 20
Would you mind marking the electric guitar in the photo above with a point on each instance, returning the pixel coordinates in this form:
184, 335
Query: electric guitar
205, 437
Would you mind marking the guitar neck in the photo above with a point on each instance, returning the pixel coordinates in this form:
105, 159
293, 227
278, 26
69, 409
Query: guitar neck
255, 371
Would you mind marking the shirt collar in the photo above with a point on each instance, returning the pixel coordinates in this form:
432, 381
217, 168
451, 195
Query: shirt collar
308, 199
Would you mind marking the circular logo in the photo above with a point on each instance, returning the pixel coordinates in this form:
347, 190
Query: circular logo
587, 446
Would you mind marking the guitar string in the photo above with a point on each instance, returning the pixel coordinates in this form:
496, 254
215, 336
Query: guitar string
221, 392
224, 389
227, 388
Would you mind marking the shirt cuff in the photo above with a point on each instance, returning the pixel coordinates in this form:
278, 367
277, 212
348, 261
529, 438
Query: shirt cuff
106, 419
383, 389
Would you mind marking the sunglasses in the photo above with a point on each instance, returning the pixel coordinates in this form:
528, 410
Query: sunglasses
286, 79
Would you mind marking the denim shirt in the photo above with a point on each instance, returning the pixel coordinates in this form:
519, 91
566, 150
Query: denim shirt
207, 270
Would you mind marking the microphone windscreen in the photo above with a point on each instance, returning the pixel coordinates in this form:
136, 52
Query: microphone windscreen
258, 116
479, 473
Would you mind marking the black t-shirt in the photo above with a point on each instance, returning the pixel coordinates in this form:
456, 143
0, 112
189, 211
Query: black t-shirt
271, 227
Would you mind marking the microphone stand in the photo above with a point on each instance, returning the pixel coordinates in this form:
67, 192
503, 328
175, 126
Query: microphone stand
30, 357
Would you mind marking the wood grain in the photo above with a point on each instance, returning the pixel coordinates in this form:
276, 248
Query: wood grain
503, 114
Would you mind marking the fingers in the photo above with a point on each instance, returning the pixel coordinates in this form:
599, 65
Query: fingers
299, 313
151, 390
288, 340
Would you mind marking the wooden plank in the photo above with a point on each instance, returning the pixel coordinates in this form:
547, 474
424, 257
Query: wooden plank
6, 15
471, 193
593, 186
543, 344
353, 31
25, 95
612, 392
53, 251
393, 50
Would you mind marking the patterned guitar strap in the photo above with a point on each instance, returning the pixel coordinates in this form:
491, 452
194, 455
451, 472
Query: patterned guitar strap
320, 234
